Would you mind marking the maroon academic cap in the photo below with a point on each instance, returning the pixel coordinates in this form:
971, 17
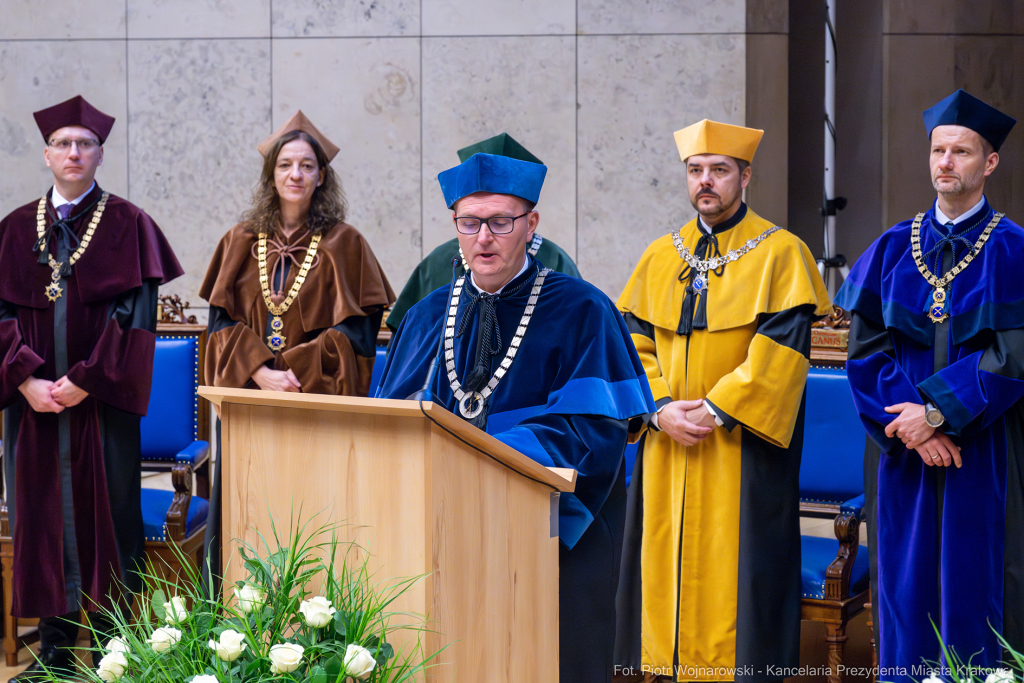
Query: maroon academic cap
74, 112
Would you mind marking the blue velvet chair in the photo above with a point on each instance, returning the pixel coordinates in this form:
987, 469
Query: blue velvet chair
175, 438
834, 572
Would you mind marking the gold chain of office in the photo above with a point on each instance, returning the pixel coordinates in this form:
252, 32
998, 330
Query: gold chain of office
702, 266
276, 340
53, 290
937, 310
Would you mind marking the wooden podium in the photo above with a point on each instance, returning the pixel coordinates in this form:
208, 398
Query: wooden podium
426, 494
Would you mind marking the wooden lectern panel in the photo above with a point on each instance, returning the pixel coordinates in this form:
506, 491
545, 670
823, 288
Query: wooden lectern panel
422, 502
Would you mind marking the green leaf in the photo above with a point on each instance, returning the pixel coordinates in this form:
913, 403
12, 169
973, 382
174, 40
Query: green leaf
384, 653
158, 599
340, 623
333, 667
318, 675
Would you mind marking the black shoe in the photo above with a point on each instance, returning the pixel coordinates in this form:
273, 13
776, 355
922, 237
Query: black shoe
52, 663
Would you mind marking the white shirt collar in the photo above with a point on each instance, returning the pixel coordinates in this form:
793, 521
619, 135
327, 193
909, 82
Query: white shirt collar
526, 262
703, 225
57, 199
943, 219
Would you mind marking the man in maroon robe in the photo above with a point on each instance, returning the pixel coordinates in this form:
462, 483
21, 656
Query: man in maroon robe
78, 297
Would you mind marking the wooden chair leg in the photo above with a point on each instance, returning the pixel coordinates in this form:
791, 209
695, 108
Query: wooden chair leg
835, 636
11, 643
871, 633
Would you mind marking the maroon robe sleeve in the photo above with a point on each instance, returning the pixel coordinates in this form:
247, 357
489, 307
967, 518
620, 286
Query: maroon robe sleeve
119, 371
19, 362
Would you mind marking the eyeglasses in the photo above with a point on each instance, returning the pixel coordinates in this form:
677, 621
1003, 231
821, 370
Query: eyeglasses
498, 225
64, 146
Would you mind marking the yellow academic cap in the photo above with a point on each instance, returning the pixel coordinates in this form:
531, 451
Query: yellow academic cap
712, 137
298, 121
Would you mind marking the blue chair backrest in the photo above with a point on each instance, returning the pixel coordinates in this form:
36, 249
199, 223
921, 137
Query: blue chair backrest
832, 465
172, 422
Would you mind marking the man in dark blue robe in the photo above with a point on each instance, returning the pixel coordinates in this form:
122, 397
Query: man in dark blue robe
573, 382
936, 364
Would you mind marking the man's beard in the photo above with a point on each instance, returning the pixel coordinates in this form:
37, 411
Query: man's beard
712, 211
958, 187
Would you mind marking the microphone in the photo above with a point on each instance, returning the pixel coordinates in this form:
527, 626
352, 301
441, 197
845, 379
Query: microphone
424, 394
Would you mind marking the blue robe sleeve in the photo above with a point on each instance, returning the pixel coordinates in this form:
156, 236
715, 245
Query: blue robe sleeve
591, 445
977, 389
876, 379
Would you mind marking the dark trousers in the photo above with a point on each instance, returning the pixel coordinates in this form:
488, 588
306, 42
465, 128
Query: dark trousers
62, 632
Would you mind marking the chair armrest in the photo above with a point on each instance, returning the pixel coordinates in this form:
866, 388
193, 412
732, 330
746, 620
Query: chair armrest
837, 576
194, 454
854, 506
181, 478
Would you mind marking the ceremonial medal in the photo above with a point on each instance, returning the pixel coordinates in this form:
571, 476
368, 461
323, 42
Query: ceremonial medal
276, 340
937, 310
700, 282
472, 403
53, 290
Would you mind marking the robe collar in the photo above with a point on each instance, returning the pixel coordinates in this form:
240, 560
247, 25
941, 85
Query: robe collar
724, 225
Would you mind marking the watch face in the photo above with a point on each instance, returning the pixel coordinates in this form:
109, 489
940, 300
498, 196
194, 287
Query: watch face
934, 417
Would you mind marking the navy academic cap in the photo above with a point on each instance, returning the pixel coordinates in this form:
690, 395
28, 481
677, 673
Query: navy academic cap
492, 173
963, 109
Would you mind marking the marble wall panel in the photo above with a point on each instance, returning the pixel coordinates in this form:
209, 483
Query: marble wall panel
917, 72
766, 100
370, 108
634, 91
662, 16
198, 110
474, 88
338, 18
767, 16
954, 17
498, 17
62, 19
198, 18
37, 74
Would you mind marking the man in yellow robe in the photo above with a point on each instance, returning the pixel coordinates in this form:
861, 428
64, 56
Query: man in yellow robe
720, 312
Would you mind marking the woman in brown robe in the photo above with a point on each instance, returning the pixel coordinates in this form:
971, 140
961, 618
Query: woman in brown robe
296, 294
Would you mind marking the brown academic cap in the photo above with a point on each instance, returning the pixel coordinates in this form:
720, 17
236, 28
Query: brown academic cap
73, 112
298, 121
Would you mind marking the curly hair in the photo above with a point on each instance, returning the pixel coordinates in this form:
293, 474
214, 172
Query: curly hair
327, 207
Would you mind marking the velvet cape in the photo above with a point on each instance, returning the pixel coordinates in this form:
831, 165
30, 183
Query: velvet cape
436, 271
564, 402
74, 477
330, 329
710, 578
946, 542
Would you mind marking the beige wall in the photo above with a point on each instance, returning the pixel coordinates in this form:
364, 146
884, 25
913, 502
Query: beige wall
593, 87
977, 46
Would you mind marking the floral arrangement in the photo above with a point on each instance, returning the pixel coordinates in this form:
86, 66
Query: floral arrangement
953, 669
308, 612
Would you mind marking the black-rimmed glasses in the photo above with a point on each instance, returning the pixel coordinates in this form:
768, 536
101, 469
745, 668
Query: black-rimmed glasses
498, 225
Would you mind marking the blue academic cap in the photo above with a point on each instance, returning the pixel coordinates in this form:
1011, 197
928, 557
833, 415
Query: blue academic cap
963, 109
492, 173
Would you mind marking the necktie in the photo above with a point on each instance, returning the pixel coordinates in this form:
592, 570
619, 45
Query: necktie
64, 211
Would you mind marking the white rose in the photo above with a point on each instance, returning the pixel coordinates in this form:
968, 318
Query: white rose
317, 612
116, 644
162, 638
359, 662
175, 611
249, 597
285, 658
112, 666
230, 645
205, 678
1000, 676
933, 677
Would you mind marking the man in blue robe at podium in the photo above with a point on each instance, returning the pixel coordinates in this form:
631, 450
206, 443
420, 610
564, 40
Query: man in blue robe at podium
544, 363
936, 364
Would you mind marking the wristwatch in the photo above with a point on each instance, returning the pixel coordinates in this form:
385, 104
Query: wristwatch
933, 416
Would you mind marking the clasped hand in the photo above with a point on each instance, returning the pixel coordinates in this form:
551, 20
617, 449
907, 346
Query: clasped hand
934, 447
44, 396
687, 422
